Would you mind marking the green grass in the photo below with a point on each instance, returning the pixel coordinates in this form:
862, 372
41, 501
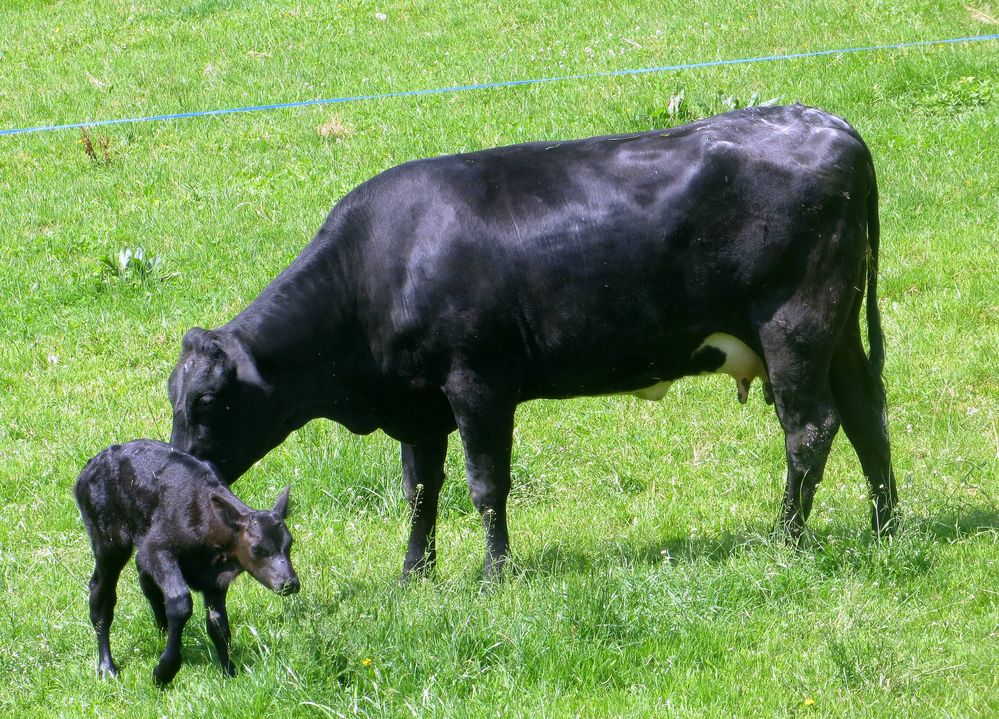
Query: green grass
645, 581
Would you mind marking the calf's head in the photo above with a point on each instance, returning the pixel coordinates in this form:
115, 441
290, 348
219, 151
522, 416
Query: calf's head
262, 543
223, 410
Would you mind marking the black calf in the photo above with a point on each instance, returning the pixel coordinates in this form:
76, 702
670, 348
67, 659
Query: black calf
189, 529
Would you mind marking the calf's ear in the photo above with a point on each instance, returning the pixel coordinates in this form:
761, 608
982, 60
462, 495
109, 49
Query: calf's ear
227, 511
281, 505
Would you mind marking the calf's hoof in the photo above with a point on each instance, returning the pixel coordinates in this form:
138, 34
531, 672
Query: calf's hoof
107, 670
164, 672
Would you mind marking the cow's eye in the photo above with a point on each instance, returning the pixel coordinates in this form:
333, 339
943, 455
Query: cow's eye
205, 402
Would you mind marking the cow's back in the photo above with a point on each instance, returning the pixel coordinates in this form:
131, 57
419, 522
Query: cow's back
603, 261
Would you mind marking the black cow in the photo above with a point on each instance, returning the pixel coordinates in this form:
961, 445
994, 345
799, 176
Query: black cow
443, 292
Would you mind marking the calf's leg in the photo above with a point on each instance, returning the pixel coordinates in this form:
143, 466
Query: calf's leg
422, 476
217, 623
154, 596
103, 597
165, 572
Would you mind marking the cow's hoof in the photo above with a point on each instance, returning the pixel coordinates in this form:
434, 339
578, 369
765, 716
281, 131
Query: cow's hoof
416, 571
885, 523
492, 578
790, 533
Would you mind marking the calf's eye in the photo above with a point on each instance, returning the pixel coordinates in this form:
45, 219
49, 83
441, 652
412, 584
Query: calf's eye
259, 551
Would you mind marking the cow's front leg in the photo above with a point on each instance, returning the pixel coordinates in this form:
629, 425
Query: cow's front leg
484, 415
422, 477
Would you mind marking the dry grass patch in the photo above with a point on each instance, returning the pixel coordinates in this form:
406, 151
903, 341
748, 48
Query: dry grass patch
983, 14
334, 129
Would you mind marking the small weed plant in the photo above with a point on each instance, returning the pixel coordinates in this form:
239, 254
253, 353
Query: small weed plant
132, 265
680, 110
965, 93
97, 148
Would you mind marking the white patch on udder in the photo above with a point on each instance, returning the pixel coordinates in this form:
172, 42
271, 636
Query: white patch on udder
741, 362
654, 393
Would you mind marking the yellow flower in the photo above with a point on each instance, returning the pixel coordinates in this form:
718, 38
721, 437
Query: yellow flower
809, 701
367, 662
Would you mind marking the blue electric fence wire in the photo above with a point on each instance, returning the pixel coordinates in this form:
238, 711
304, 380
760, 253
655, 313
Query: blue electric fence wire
493, 85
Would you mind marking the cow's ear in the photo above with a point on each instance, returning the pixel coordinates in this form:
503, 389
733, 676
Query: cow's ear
198, 339
211, 345
246, 366
230, 514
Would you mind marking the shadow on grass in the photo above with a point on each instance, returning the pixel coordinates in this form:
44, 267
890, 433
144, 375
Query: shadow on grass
914, 546
558, 558
960, 524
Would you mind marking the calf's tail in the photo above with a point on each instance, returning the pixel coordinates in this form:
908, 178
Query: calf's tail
875, 336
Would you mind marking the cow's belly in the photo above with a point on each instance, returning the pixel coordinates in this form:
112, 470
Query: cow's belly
738, 360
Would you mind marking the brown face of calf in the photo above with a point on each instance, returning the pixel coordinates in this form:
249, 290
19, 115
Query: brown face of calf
262, 543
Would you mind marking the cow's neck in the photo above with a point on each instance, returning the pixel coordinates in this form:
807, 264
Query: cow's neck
299, 333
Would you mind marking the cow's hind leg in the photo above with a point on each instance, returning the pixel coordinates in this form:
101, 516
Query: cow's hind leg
484, 414
859, 395
807, 413
108, 564
422, 476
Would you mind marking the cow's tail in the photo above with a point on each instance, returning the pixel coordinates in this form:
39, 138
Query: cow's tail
875, 337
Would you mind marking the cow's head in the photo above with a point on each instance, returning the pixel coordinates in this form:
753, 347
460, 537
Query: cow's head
223, 410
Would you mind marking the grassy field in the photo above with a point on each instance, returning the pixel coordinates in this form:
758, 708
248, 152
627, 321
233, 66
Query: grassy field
645, 582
